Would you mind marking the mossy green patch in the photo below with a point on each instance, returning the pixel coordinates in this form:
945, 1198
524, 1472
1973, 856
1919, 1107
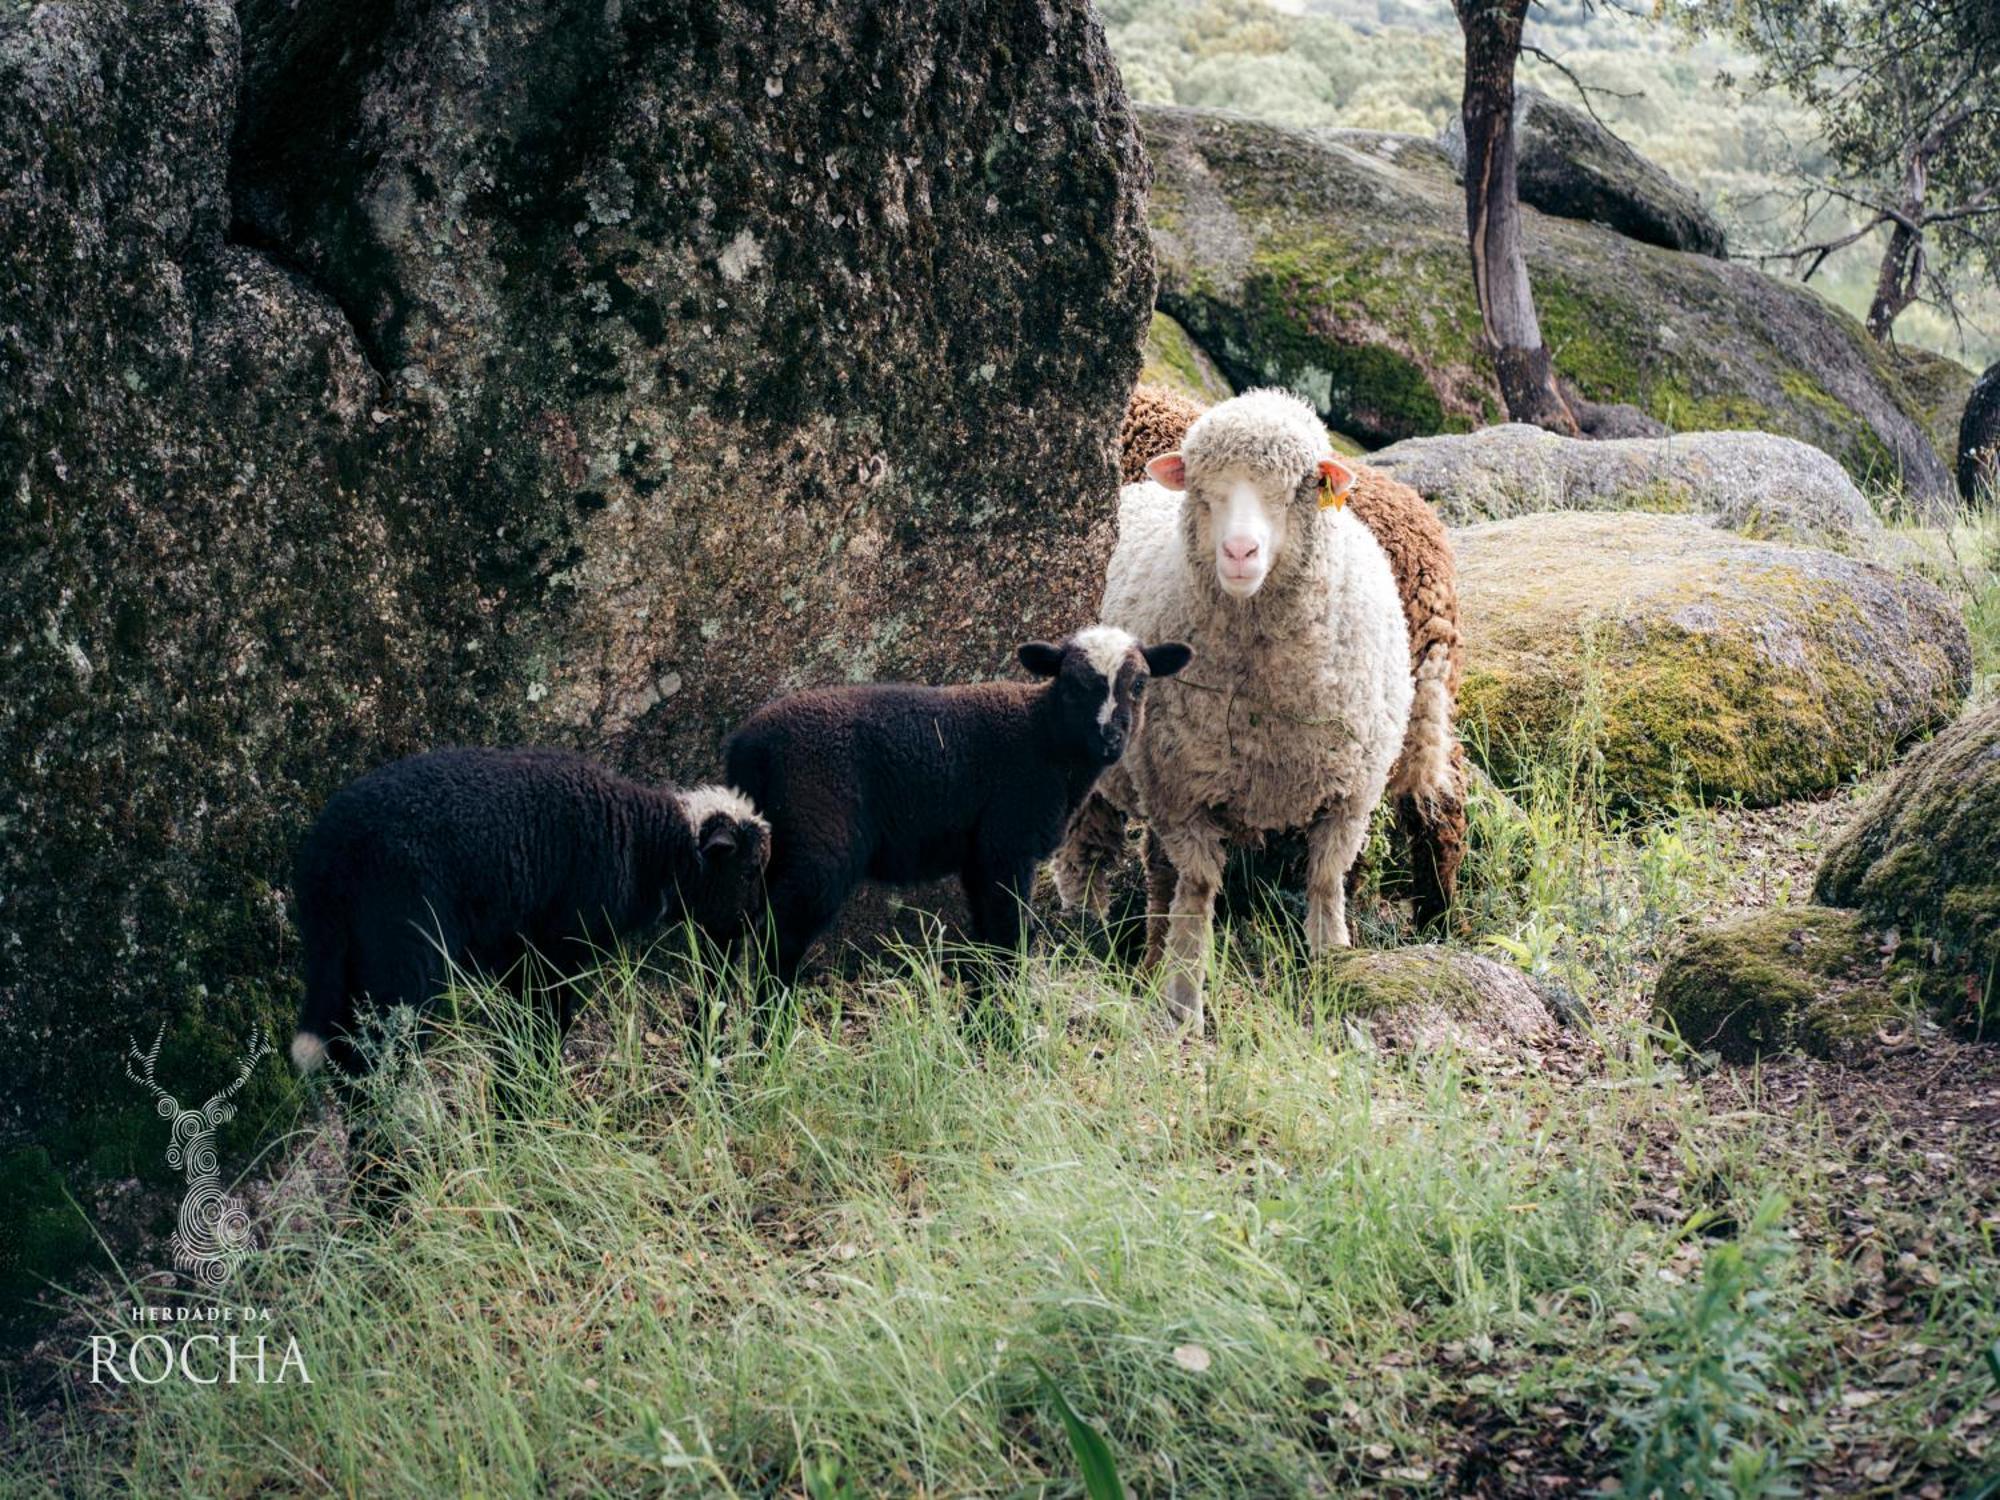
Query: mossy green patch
1922, 855
1697, 665
1796, 979
1172, 359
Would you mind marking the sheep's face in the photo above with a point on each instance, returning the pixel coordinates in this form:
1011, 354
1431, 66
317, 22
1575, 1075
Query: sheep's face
1253, 472
1099, 686
732, 844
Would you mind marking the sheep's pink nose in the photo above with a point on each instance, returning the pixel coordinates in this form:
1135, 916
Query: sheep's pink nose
1240, 549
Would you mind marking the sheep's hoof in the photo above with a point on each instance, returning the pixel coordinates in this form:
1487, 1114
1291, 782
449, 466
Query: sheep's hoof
1326, 932
1184, 1002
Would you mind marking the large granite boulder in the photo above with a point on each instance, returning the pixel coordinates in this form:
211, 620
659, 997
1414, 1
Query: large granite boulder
530, 370
1924, 855
1979, 439
1335, 263
1696, 663
1751, 482
1574, 168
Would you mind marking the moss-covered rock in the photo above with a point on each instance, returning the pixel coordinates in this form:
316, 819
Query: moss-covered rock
1335, 263
1172, 359
1924, 857
1693, 662
1424, 998
1574, 168
1939, 386
384, 375
1795, 979
1750, 482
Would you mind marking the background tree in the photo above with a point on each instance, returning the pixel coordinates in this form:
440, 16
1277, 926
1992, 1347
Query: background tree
1907, 96
1493, 46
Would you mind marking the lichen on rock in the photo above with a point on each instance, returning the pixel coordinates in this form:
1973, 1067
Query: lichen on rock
1755, 483
1695, 664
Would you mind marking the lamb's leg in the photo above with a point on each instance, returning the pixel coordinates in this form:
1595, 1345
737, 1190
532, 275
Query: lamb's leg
1196, 852
997, 891
1335, 839
1093, 844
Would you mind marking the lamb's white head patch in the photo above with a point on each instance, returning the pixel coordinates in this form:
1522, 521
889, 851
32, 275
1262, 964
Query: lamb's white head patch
1106, 648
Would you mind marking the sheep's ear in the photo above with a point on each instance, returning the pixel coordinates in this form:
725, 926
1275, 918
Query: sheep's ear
1168, 470
1040, 658
1336, 481
1167, 658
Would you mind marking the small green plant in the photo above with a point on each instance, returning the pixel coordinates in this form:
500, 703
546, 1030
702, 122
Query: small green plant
1093, 1455
1701, 1397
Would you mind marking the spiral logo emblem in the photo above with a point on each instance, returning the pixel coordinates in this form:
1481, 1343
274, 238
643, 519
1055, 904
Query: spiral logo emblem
214, 1227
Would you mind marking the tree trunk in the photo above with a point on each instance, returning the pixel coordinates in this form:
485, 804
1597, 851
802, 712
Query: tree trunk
1902, 273
1493, 217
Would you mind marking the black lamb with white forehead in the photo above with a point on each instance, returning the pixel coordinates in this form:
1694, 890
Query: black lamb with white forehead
903, 784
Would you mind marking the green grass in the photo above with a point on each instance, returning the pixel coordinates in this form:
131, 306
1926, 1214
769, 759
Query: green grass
894, 1248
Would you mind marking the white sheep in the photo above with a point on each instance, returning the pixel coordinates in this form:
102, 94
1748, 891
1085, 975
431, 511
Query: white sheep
1241, 546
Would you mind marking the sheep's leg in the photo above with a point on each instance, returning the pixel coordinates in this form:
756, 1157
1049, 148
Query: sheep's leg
997, 892
1196, 852
1331, 847
1160, 882
1092, 846
1433, 829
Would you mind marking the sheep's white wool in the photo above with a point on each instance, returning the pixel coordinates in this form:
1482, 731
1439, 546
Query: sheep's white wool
1296, 707
1105, 647
308, 1051
701, 802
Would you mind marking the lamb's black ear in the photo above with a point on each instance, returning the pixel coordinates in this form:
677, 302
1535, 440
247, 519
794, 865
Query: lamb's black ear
1167, 658
1040, 658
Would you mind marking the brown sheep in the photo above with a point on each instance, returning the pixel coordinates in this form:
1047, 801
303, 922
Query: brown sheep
1429, 779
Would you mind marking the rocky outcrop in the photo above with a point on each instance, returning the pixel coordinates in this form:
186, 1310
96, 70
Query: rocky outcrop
1574, 168
1979, 439
1749, 482
1696, 663
375, 376
1335, 263
1795, 979
1924, 856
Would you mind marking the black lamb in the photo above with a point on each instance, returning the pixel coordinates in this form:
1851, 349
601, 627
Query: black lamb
902, 784
473, 856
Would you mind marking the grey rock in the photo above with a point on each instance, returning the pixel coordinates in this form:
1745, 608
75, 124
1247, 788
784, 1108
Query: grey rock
380, 376
1698, 664
1752, 482
1573, 167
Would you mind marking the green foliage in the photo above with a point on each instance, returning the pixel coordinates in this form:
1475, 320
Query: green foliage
1093, 1454
1710, 1373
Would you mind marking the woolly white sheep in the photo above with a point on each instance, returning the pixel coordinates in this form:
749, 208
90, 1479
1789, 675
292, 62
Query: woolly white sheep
1241, 545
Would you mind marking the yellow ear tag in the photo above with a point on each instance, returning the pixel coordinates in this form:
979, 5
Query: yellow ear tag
1329, 495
